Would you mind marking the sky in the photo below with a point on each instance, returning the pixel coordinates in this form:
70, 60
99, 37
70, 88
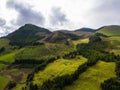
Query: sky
58, 14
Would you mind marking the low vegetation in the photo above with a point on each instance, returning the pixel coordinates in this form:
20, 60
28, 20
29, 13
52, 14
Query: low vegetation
33, 58
10, 57
80, 41
110, 30
3, 82
92, 78
43, 52
2, 66
59, 68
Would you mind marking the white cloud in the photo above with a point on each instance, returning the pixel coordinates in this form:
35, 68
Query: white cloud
79, 13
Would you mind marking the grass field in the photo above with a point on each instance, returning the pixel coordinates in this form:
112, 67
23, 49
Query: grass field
110, 30
58, 68
19, 87
44, 52
4, 42
86, 40
115, 42
2, 66
8, 57
94, 76
115, 51
3, 82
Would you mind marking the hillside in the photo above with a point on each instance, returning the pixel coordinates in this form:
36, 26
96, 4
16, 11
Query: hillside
113, 37
93, 77
2, 85
43, 52
65, 67
85, 30
110, 30
61, 37
34, 58
27, 35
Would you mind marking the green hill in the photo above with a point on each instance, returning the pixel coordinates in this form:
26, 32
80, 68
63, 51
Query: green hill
85, 30
27, 34
110, 30
114, 37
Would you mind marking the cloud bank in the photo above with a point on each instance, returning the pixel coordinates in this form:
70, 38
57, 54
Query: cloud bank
25, 14
57, 17
59, 14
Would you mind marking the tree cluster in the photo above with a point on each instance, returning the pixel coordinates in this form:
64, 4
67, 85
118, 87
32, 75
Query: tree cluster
2, 49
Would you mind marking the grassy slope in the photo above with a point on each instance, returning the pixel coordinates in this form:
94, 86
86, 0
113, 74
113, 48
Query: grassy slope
58, 68
86, 40
27, 34
17, 75
10, 57
115, 42
114, 39
2, 66
7, 58
110, 30
4, 42
19, 87
44, 52
3, 82
115, 51
92, 78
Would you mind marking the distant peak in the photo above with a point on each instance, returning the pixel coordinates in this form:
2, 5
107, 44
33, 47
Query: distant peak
30, 25
86, 30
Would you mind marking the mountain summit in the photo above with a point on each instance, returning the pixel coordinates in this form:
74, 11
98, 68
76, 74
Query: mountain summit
27, 34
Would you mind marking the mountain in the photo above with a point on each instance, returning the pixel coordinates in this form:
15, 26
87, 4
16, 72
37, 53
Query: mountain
85, 30
113, 30
27, 35
34, 58
61, 37
30, 34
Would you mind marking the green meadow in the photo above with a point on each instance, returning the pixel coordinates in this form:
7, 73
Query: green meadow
59, 67
44, 51
4, 42
19, 87
7, 58
110, 30
115, 42
94, 76
115, 51
3, 82
85, 40
2, 66
10, 57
